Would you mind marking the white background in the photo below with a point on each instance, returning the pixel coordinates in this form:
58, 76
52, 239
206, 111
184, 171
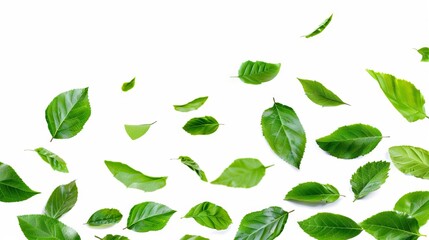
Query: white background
180, 50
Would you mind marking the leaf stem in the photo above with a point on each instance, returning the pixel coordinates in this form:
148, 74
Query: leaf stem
233, 76
274, 100
98, 237
385, 136
29, 150
269, 166
291, 211
153, 123
427, 117
51, 139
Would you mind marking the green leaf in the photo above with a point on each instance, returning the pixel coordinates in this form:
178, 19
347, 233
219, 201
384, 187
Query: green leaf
37, 227
210, 215
192, 105
392, 225
319, 94
113, 237
351, 141
424, 51
149, 216
135, 179
369, 178
194, 167
136, 131
284, 133
258, 72
266, 224
62, 200
411, 160
105, 216
416, 204
201, 126
128, 85
67, 113
321, 27
12, 188
403, 95
52, 159
313, 192
329, 226
242, 173
193, 237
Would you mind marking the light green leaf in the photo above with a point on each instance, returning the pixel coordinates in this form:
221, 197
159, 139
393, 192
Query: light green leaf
411, 160
62, 200
319, 94
113, 237
12, 188
329, 226
258, 72
128, 85
210, 215
284, 133
52, 159
415, 204
149, 216
403, 95
194, 167
192, 105
351, 141
266, 224
67, 113
135, 179
37, 227
136, 131
242, 173
193, 237
369, 178
313, 192
321, 27
424, 51
201, 126
105, 216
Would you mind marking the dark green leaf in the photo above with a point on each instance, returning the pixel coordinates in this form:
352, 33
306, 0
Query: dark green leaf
210, 215
424, 51
105, 216
67, 113
258, 72
319, 94
284, 133
351, 141
133, 178
113, 237
12, 188
369, 178
415, 204
62, 200
52, 159
136, 131
321, 27
149, 216
193, 237
38, 227
192, 105
193, 166
313, 192
411, 160
201, 126
128, 85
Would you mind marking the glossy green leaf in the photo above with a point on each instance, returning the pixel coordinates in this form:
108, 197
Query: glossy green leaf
67, 113
415, 204
12, 188
136, 131
284, 133
193, 237
128, 85
329, 226
38, 227
411, 160
135, 179
62, 200
149, 216
424, 51
201, 126
403, 95
52, 159
392, 225
319, 94
105, 216
351, 141
242, 173
321, 27
192, 105
369, 178
313, 192
113, 237
193, 166
258, 72
210, 215
266, 224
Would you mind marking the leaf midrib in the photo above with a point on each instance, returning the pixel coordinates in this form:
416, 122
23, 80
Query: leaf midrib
152, 216
28, 191
283, 126
380, 172
264, 226
399, 230
334, 227
353, 139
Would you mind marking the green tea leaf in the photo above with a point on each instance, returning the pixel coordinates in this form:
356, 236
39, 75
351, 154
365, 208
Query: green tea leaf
128, 85
113, 237
369, 178
313, 192
329, 226
193, 237
242, 173
62, 200
351, 141
266, 224
424, 51
258, 72
37, 227
321, 27
415, 204
411, 160
135, 179
403, 95
210, 215
284, 133
149, 216
392, 225
192, 105
67, 113
12, 188
52, 159
319, 94
201, 126
194, 167
105, 216
136, 131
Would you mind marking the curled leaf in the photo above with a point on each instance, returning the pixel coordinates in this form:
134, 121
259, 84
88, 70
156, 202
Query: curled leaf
192, 105
321, 27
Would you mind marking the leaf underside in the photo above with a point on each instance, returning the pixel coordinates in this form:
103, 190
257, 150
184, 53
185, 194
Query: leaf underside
313, 192
192, 105
411, 160
210, 215
56, 162
193, 166
319, 94
242, 173
258, 72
